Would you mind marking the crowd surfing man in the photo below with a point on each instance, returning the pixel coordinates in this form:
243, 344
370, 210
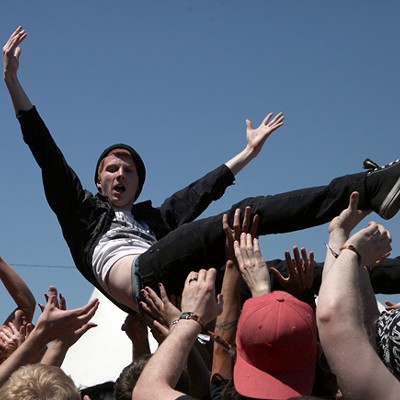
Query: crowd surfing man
121, 246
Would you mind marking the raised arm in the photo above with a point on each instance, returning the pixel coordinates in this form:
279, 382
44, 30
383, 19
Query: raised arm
11, 55
255, 141
20, 293
340, 319
58, 348
226, 323
62, 186
252, 265
53, 323
166, 365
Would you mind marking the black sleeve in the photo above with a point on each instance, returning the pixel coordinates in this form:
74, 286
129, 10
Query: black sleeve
62, 186
187, 204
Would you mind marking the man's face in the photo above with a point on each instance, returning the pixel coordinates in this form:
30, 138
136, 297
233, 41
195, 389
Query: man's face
119, 181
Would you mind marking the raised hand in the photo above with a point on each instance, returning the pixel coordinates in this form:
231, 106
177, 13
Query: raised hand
248, 226
300, 272
252, 265
135, 328
391, 306
56, 322
12, 51
257, 137
199, 295
350, 217
71, 337
160, 308
11, 337
372, 244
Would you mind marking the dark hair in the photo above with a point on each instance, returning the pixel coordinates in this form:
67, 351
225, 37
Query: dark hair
128, 377
130, 374
102, 391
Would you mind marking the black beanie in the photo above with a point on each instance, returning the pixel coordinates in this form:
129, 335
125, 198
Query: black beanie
141, 169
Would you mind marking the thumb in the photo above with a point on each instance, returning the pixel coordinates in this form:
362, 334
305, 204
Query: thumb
220, 302
248, 124
279, 277
354, 198
17, 52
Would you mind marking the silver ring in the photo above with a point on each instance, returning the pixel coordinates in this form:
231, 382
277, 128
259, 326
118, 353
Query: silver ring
374, 233
192, 279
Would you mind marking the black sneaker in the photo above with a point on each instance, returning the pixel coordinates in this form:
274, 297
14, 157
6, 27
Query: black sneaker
383, 187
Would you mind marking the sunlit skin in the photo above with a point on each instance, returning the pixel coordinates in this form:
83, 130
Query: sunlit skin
118, 181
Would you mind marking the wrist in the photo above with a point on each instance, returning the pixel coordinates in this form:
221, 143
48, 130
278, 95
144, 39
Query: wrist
58, 346
346, 246
191, 316
38, 337
249, 152
352, 248
338, 235
259, 291
9, 76
172, 319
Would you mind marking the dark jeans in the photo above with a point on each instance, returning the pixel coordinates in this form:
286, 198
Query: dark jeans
385, 278
200, 244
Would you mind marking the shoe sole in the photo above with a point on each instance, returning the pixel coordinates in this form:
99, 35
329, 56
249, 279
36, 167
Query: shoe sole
391, 204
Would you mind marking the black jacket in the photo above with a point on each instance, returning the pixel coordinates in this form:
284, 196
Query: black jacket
85, 217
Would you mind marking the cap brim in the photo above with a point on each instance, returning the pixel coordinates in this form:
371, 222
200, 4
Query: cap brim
252, 382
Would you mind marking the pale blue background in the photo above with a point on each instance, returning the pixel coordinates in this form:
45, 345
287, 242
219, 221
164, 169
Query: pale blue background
176, 79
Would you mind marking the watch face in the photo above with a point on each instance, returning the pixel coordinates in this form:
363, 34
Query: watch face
185, 315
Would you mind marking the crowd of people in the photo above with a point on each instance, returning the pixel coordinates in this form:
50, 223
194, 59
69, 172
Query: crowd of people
229, 324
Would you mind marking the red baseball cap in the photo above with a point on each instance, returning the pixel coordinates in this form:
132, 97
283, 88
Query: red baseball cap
276, 347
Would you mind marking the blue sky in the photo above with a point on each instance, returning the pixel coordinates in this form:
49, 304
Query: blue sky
176, 80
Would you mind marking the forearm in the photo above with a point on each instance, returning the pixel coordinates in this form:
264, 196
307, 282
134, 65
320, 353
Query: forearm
55, 354
337, 238
140, 347
238, 162
339, 319
17, 289
18, 96
339, 298
188, 203
369, 305
199, 374
166, 365
226, 322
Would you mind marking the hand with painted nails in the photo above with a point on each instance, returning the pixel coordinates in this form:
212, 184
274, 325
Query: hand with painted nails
159, 307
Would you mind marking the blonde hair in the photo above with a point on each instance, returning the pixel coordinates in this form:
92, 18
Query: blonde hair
39, 382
